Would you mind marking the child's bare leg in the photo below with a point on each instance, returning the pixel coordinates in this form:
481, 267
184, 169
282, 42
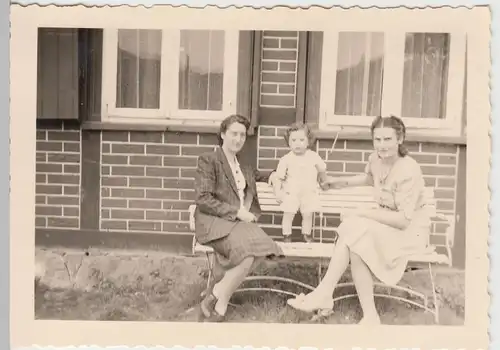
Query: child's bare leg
307, 221
287, 225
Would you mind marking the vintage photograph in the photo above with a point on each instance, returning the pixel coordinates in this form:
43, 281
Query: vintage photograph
275, 174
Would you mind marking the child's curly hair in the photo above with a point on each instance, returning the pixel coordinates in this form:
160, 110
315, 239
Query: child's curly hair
300, 126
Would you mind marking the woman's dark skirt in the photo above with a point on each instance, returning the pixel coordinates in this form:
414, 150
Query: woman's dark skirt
245, 240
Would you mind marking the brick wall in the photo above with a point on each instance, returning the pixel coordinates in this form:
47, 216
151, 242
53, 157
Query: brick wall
58, 160
439, 165
147, 178
147, 181
279, 68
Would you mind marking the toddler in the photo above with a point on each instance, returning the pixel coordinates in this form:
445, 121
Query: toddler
297, 174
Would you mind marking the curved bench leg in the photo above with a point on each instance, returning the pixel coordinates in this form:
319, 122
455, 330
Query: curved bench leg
423, 305
434, 295
320, 268
262, 289
274, 290
211, 277
279, 279
400, 288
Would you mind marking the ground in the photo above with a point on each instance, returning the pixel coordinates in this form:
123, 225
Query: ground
146, 286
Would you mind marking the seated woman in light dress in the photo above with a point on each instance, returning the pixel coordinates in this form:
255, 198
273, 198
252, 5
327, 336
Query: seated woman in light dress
377, 241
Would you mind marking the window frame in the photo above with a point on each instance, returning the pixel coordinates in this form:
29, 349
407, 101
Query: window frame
392, 86
168, 112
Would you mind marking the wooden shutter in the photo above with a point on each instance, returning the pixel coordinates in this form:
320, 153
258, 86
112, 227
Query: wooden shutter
248, 76
301, 80
313, 81
58, 71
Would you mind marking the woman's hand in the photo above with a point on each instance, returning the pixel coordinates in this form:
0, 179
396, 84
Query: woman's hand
335, 182
280, 194
276, 184
246, 216
272, 178
325, 186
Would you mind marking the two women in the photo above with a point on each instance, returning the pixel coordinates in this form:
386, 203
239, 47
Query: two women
377, 241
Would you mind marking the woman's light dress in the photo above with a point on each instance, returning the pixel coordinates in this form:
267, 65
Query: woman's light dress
383, 248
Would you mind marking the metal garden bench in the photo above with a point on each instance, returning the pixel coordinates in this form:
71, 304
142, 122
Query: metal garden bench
335, 202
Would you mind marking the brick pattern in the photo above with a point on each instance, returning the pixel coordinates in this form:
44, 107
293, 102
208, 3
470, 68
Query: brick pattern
439, 165
147, 178
58, 159
279, 69
147, 181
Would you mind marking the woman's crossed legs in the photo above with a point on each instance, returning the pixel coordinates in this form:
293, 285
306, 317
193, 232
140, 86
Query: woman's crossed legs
321, 297
216, 302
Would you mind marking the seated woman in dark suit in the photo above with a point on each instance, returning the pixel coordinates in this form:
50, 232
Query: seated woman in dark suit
227, 209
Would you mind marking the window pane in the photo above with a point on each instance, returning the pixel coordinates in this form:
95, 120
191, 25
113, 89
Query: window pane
425, 75
201, 70
139, 68
360, 65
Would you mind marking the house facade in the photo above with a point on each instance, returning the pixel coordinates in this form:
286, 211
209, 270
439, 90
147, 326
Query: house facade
123, 112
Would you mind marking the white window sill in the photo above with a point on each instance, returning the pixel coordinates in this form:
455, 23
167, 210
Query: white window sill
448, 136
138, 126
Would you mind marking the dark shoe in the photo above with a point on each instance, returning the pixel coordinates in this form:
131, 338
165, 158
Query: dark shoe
215, 317
207, 305
207, 310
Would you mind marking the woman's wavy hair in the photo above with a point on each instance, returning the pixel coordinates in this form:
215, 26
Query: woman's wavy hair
395, 123
300, 126
230, 120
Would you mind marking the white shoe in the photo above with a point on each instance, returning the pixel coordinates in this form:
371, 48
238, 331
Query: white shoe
308, 303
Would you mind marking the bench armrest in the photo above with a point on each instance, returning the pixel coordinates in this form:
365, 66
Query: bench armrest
192, 209
449, 233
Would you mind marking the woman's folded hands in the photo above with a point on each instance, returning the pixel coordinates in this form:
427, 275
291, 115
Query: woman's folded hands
245, 215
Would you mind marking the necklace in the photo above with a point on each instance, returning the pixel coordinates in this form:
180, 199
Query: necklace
385, 170
384, 173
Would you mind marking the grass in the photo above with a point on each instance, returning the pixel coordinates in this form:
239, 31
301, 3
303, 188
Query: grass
118, 287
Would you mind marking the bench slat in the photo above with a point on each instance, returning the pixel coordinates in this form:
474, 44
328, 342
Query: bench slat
265, 188
298, 249
324, 198
335, 202
328, 208
324, 250
434, 258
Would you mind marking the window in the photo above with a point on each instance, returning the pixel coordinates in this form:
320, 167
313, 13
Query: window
201, 70
418, 76
358, 81
139, 72
425, 78
169, 76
